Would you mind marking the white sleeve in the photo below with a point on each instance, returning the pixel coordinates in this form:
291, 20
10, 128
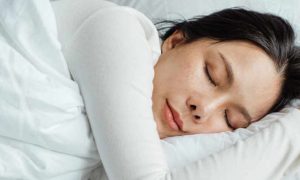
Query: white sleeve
110, 59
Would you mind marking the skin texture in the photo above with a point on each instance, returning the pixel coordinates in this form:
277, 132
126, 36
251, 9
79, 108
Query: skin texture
181, 80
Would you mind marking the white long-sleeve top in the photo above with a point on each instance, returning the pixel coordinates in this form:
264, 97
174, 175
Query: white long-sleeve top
110, 55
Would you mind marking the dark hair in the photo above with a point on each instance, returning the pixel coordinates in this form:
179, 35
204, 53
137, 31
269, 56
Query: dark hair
269, 32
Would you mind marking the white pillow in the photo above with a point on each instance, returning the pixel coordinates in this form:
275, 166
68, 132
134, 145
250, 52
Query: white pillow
158, 10
181, 150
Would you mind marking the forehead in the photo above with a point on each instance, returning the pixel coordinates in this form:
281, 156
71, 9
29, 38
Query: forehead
256, 82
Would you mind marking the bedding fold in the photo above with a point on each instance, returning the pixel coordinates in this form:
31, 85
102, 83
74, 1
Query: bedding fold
44, 132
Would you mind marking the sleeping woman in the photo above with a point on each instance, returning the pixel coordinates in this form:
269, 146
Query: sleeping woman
224, 71
209, 74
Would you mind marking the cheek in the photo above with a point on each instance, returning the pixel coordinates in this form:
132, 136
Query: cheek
177, 75
184, 81
181, 77
190, 73
195, 79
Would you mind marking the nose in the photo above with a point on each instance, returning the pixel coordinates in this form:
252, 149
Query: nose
202, 108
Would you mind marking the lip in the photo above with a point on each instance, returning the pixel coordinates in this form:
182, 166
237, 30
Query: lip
172, 117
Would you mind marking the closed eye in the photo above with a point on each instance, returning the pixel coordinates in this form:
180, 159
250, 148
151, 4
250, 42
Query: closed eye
209, 76
214, 84
227, 120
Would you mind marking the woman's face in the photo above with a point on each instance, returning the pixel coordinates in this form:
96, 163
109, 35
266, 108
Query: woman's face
197, 84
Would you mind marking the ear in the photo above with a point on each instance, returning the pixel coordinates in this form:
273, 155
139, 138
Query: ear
172, 41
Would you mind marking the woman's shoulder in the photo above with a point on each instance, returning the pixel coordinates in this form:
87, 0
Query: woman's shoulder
123, 13
103, 19
71, 15
125, 20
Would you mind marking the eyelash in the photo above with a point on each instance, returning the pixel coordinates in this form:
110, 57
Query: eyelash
208, 76
214, 84
227, 121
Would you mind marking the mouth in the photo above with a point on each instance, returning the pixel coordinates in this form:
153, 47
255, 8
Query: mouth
172, 117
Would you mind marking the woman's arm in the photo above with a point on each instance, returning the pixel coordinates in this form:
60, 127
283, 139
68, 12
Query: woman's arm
111, 60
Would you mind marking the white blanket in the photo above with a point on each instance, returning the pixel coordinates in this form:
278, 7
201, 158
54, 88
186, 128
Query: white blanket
44, 132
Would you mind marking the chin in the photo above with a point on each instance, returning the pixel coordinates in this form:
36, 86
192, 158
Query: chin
161, 136
166, 133
162, 133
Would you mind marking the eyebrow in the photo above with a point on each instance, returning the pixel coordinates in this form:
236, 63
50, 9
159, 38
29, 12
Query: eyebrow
230, 79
